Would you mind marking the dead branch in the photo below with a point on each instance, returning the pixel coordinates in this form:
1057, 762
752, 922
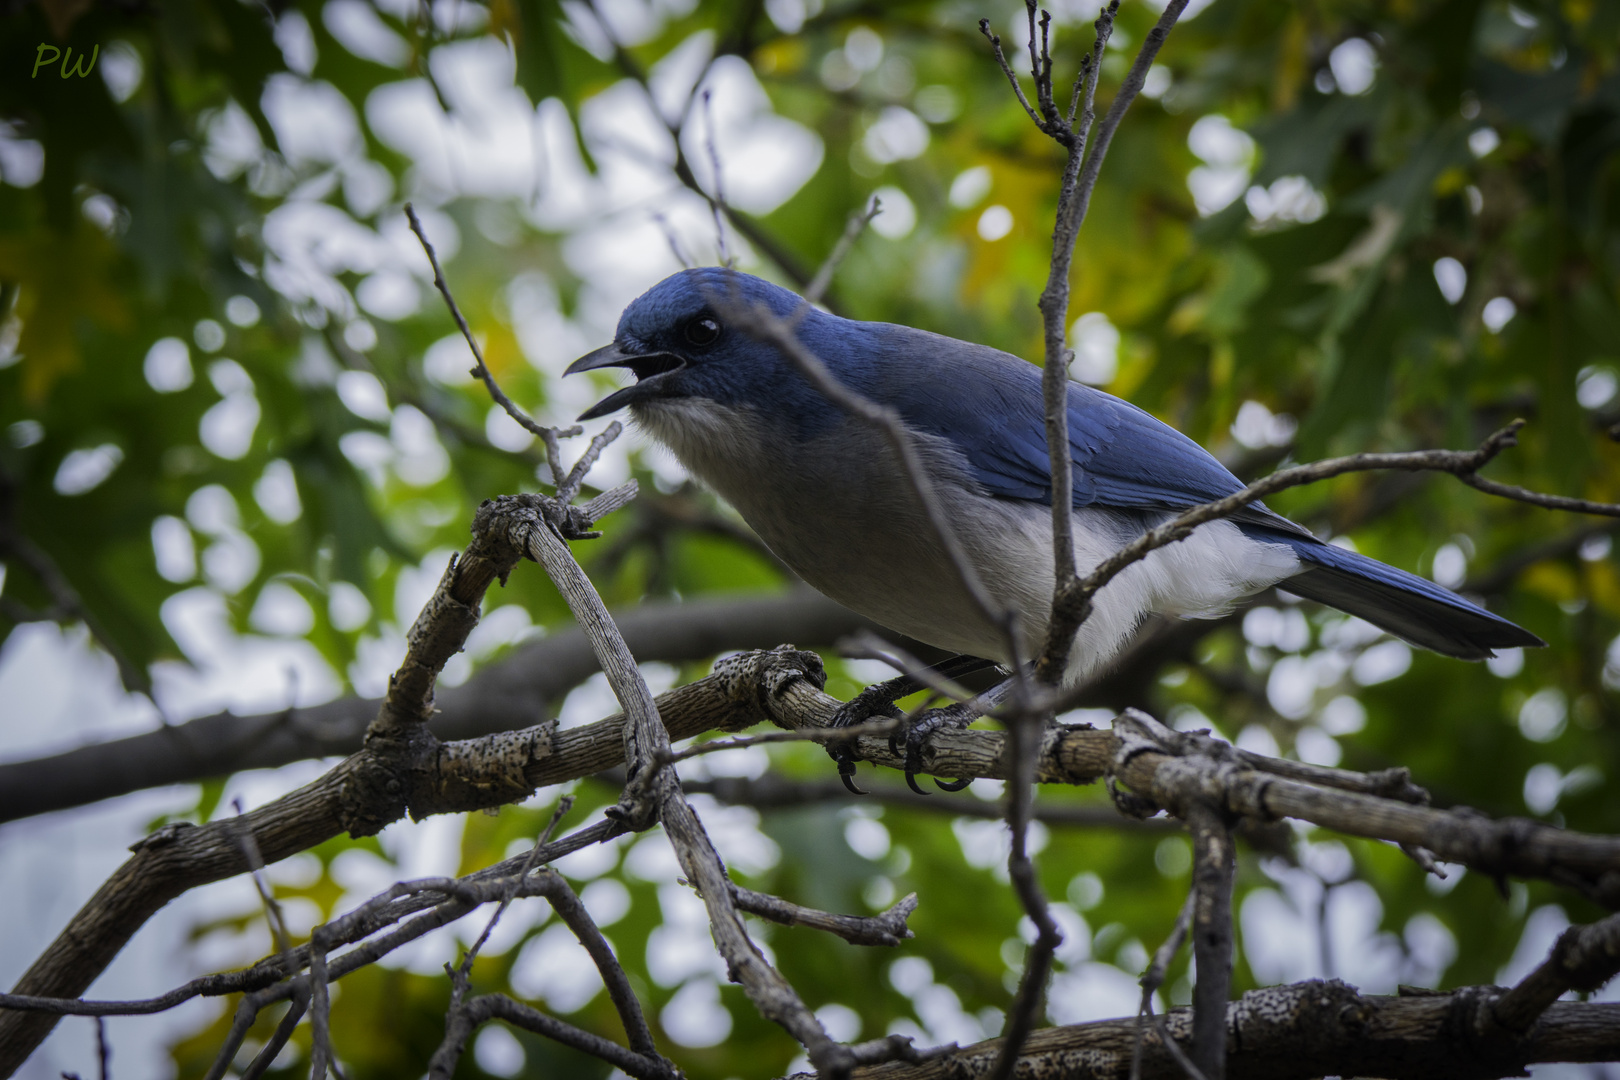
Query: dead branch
652, 794
1213, 869
514, 693
888, 929
1303, 1031
1584, 958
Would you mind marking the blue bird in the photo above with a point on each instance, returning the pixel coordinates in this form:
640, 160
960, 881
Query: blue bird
827, 495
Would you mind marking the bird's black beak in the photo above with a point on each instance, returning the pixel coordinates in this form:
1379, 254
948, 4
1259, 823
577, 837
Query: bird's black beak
650, 368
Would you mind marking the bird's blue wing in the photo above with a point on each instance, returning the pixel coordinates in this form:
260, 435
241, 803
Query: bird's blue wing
988, 405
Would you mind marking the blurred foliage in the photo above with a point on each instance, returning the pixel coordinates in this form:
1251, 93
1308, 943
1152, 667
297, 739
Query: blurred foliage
1407, 232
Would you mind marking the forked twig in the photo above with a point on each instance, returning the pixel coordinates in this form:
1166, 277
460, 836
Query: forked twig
481, 369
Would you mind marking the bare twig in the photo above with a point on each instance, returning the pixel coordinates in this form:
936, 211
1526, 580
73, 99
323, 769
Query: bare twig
865, 645
675, 247
717, 201
1024, 732
481, 370
272, 909
1074, 602
889, 928
858, 221
750, 229
1006, 69
565, 804
568, 907
1584, 958
464, 1020
1026, 1007
1536, 498
280, 1037
1153, 978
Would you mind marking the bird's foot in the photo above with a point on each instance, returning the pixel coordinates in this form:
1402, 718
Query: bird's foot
951, 718
876, 700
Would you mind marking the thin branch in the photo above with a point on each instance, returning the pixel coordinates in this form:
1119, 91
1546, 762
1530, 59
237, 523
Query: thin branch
750, 229
674, 242
888, 929
653, 794
1536, 498
717, 202
1584, 958
103, 1050
255, 861
1054, 308
763, 324
1027, 725
1006, 69
858, 221
1027, 1004
1073, 605
481, 370
280, 1037
565, 804
865, 645
464, 1020
1153, 977
573, 914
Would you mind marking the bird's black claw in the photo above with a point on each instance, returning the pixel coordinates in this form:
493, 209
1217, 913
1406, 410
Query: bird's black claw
844, 758
925, 726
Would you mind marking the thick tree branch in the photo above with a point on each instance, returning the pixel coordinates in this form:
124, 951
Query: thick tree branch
1304, 1031
513, 693
783, 685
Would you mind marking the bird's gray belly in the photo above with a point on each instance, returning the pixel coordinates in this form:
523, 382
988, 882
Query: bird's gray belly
838, 511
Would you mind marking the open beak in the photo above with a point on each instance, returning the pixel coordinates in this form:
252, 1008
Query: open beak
650, 369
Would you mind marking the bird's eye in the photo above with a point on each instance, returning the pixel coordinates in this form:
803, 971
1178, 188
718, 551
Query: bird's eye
703, 330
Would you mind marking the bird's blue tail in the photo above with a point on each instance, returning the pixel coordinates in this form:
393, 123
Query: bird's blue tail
1404, 604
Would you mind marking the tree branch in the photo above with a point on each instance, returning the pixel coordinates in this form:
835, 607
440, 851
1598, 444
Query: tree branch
1213, 866
1304, 1031
507, 695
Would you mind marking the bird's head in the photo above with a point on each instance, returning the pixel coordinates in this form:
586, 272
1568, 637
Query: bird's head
679, 342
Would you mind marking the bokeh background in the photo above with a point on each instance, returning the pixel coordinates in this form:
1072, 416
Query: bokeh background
237, 418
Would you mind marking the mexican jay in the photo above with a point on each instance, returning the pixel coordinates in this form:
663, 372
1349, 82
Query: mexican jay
827, 495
